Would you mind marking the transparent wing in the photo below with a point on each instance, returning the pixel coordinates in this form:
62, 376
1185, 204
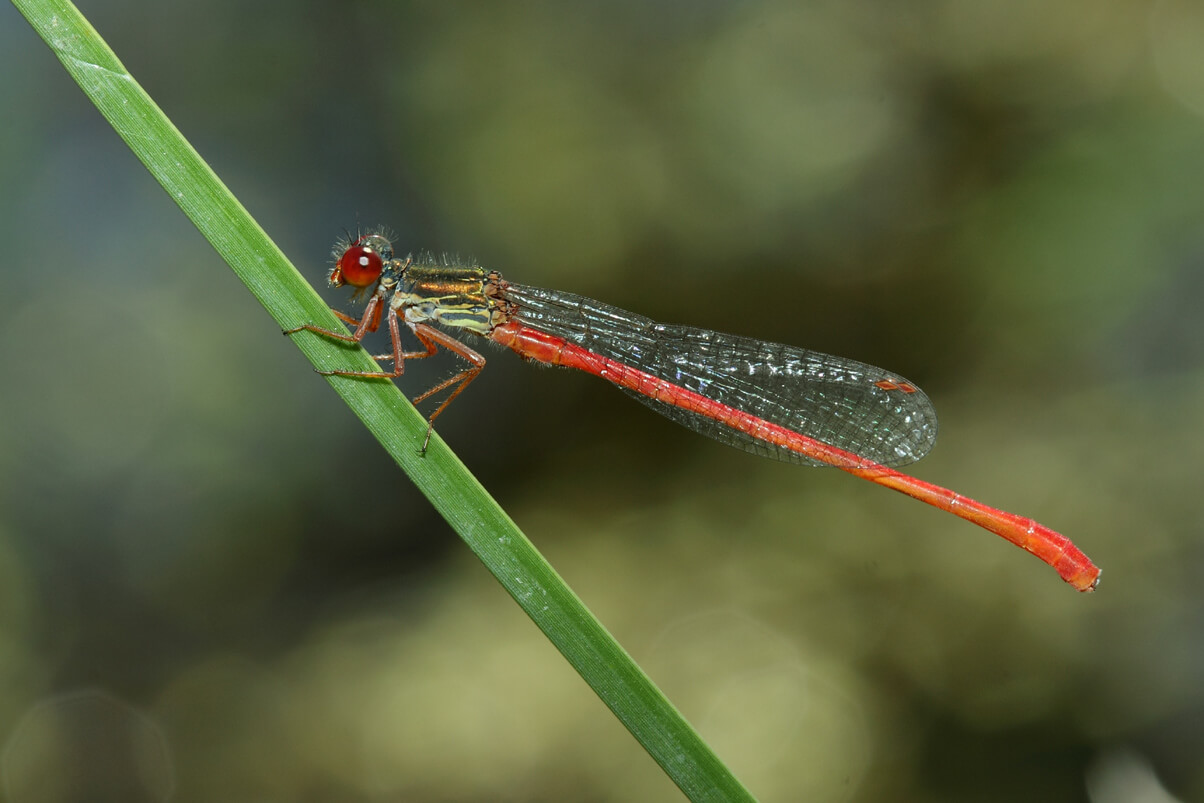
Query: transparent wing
857, 407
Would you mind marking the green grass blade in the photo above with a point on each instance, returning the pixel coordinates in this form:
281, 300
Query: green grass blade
454, 492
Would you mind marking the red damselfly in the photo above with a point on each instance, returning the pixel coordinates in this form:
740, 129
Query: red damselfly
778, 401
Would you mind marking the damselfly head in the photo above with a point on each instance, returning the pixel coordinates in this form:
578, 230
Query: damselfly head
360, 262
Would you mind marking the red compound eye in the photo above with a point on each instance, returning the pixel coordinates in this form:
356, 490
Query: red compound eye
359, 266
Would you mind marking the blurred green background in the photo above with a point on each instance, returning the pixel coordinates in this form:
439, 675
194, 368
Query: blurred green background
215, 586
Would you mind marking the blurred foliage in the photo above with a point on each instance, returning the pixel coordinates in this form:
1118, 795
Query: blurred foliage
213, 581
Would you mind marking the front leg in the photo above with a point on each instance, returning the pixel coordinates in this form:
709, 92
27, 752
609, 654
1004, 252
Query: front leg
369, 323
363, 326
